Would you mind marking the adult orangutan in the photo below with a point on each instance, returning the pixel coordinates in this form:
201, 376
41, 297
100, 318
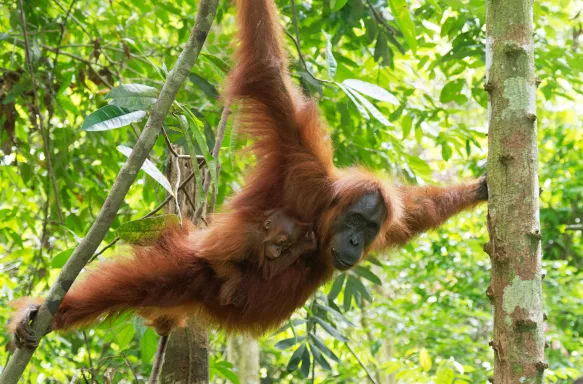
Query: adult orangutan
352, 212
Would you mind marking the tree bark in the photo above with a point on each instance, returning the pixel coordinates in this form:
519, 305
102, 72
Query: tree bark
513, 208
124, 180
186, 358
243, 353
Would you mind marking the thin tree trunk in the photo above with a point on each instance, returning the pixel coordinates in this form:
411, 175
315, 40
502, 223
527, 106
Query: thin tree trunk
186, 358
513, 209
243, 353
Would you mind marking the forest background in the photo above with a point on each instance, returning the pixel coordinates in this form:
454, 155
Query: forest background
415, 315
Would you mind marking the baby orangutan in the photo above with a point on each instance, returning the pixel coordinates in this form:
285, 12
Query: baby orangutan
284, 239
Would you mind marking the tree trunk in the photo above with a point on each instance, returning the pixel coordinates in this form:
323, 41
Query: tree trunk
186, 360
243, 353
513, 212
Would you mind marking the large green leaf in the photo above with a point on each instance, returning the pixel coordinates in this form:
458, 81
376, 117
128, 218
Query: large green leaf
127, 90
145, 231
337, 5
330, 329
296, 358
330, 60
400, 10
150, 169
371, 90
371, 108
111, 117
359, 106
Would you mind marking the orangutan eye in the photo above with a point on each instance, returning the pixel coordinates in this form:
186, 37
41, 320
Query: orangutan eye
355, 219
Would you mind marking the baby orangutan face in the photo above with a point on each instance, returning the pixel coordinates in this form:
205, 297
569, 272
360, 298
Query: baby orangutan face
286, 235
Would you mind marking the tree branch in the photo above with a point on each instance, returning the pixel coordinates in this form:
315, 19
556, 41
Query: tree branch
125, 178
304, 60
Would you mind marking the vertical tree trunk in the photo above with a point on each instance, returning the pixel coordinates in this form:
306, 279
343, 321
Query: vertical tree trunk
243, 352
186, 360
513, 212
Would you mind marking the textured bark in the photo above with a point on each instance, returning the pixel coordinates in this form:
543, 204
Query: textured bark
186, 359
125, 178
513, 208
243, 353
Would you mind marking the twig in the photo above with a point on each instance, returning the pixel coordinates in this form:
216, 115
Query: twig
58, 49
370, 377
125, 357
41, 245
176, 77
74, 19
215, 153
295, 20
40, 124
304, 60
91, 369
574, 227
99, 253
380, 19
158, 360
169, 144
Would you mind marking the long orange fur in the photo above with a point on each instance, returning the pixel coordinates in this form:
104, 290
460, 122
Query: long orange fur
182, 274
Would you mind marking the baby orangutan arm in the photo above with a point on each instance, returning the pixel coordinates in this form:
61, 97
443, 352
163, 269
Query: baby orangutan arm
275, 266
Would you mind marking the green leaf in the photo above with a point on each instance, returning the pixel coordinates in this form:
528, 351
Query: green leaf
367, 274
407, 125
318, 358
335, 314
296, 357
132, 90
445, 375
135, 103
124, 335
337, 286
452, 92
61, 258
360, 288
204, 85
360, 108
424, 359
400, 10
148, 345
306, 363
287, 343
446, 150
111, 117
227, 373
371, 90
348, 294
145, 231
382, 53
319, 344
337, 5
329, 328
224, 67
330, 60
150, 169
372, 109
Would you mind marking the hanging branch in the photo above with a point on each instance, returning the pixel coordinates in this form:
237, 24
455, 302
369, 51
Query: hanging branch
40, 125
215, 153
303, 60
125, 178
